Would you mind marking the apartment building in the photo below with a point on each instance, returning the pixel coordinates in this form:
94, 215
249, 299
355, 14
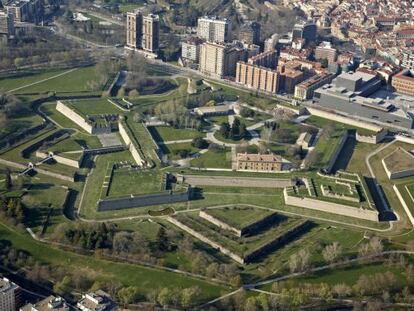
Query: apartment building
143, 32
6, 23
403, 82
214, 29
266, 59
261, 163
219, 60
190, 49
326, 51
30, 11
305, 31
257, 77
10, 298
305, 89
151, 33
134, 29
250, 33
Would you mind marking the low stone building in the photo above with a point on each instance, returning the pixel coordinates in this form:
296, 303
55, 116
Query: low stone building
399, 164
262, 163
219, 110
305, 140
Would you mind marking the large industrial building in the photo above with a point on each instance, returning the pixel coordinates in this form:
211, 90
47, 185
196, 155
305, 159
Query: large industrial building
355, 93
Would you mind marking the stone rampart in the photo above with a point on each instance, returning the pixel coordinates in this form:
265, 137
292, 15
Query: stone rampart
61, 159
223, 181
132, 148
143, 200
371, 139
69, 113
404, 204
330, 207
337, 153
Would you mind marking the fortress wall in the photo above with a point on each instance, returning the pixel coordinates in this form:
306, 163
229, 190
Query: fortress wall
330, 207
206, 240
223, 181
337, 153
60, 159
132, 148
69, 113
404, 204
220, 223
143, 200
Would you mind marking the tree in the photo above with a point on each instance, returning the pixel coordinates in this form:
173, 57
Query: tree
127, 295
225, 130
299, 261
332, 252
162, 240
64, 286
188, 295
342, 290
165, 297
8, 180
199, 143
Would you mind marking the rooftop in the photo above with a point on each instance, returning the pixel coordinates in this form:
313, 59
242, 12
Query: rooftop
253, 157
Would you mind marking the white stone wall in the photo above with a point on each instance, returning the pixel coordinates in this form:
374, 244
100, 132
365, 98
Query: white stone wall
219, 223
404, 204
330, 207
60, 159
69, 113
132, 149
371, 139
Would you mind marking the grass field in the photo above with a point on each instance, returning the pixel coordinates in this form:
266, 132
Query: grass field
24, 78
77, 80
238, 216
172, 150
213, 159
125, 182
167, 133
17, 124
93, 107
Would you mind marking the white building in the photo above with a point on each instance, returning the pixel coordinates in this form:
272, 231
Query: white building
50, 303
9, 295
213, 29
97, 301
190, 49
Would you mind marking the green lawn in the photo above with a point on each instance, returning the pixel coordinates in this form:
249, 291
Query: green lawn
93, 107
145, 279
172, 150
20, 79
78, 80
20, 123
238, 216
167, 133
213, 159
125, 182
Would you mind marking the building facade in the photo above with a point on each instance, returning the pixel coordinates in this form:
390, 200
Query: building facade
213, 29
250, 33
9, 295
98, 300
305, 31
143, 32
219, 60
326, 51
258, 78
403, 82
134, 29
190, 49
6, 24
261, 163
30, 11
305, 89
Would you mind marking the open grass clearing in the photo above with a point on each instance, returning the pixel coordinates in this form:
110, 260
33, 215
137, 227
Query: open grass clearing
213, 159
135, 182
168, 133
93, 107
238, 216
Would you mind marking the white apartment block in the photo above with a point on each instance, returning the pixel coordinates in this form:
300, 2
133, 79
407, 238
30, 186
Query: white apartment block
213, 29
9, 295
